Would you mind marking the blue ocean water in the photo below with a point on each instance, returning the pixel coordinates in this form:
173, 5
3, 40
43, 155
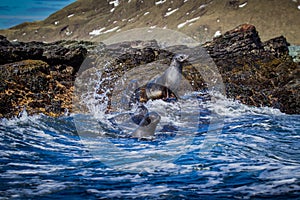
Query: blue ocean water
17, 11
253, 153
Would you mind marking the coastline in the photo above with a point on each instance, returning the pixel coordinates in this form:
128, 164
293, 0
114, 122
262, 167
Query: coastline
39, 77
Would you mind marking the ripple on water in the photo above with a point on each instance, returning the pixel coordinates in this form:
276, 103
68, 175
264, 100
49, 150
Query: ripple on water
256, 155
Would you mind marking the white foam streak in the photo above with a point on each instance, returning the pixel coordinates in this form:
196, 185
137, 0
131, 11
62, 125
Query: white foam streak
223, 106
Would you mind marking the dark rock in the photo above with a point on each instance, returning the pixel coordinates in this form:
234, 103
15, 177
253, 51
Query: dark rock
277, 46
67, 52
256, 73
35, 86
40, 77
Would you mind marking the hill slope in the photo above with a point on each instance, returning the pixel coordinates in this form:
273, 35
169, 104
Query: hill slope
202, 19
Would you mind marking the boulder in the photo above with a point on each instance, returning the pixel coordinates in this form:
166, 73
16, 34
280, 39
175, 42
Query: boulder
257, 73
38, 77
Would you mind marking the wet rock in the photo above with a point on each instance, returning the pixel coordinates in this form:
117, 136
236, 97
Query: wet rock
256, 73
40, 77
67, 52
294, 51
36, 87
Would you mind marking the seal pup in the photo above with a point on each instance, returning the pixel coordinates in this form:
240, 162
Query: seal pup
169, 82
147, 126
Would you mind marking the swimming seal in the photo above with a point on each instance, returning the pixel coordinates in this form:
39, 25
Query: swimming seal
147, 126
139, 114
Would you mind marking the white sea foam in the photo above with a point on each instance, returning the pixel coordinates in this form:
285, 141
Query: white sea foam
230, 108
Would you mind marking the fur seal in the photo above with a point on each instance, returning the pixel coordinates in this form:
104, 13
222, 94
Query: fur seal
147, 126
172, 76
139, 114
164, 87
144, 121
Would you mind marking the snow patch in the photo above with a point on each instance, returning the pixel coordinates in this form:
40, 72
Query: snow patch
152, 27
160, 2
203, 6
97, 32
187, 21
116, 3
115, 22
57, 22
185, 1
15, 40
217, 34
146, 13
171, 12
299, 7
68, 32
111, 30
243, 5
24, 34
100, 31
112, 10
69, 16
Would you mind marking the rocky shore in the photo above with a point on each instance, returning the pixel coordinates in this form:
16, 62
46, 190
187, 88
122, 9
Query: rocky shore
39, 77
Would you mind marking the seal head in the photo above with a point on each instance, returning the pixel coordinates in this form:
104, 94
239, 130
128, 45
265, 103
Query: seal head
139, 114
147, 127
